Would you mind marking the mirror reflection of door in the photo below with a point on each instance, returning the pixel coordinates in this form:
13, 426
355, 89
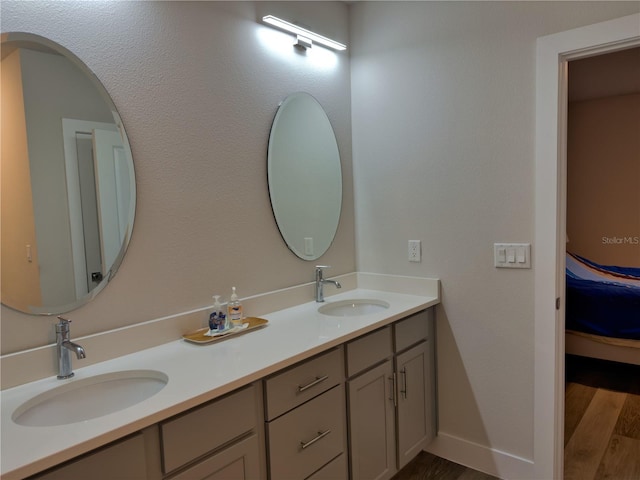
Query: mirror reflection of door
88, 208
98, 193
50, 262
112, 184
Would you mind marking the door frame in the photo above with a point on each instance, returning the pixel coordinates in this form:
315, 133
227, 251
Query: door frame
553, 54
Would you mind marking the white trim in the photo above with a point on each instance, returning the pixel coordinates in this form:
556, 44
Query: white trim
480, 457
553, 53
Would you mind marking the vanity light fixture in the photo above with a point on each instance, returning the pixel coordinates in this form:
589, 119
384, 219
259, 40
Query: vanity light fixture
305, 38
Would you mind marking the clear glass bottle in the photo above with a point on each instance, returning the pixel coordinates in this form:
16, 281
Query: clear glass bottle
234, 309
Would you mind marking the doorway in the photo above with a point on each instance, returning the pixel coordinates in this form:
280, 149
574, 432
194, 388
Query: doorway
553, 54
602, 386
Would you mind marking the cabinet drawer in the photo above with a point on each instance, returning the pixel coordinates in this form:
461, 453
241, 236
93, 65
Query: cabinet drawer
123, 459
368, 350
303, 382
412, 330
305, 439
334, 470
204, 429
240, 461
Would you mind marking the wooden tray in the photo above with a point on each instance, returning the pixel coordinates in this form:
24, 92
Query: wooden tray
200, 338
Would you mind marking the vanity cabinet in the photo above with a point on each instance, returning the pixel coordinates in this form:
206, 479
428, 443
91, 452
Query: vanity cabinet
390, 391
306, 420
358, 411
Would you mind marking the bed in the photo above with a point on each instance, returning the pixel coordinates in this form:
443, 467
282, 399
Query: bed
602, 316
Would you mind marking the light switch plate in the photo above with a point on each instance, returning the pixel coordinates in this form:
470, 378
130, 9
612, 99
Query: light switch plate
512, 255
414, 251
308, 245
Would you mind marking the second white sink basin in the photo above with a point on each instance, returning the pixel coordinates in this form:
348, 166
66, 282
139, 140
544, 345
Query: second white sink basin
353, 307
89, 398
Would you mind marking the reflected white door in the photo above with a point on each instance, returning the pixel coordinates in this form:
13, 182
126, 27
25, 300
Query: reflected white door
112, 187
89, 207
84, 203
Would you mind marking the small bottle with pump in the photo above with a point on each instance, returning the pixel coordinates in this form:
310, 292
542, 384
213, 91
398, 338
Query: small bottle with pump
217, 318
234, 309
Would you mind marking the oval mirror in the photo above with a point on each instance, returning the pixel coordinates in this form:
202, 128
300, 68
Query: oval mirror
305, 177
68, 186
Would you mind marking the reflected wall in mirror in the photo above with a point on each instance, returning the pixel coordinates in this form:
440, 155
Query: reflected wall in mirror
68, 185
305, 176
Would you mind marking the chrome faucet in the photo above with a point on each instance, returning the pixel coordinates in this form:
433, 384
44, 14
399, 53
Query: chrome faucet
65, 346
320, 281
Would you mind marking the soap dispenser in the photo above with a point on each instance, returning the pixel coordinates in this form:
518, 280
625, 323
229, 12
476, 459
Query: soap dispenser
217, 319
234, 309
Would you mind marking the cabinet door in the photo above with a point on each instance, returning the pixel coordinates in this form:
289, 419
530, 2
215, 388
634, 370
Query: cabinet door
415, 422
336, 469
240, 461
372, 424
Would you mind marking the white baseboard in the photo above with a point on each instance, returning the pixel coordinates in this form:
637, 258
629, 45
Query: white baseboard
480, 457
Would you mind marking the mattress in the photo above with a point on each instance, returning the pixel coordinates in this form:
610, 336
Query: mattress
602, 300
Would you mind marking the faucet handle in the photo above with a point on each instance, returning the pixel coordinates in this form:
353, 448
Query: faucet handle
320, 272
63, 325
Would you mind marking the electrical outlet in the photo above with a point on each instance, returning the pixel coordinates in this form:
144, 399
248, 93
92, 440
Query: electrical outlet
414, 251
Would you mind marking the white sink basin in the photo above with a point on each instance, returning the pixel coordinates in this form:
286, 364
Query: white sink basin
353, 307
89, 398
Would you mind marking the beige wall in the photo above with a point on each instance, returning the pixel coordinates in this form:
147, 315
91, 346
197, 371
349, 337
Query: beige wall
603, 166
197, 85
24, 283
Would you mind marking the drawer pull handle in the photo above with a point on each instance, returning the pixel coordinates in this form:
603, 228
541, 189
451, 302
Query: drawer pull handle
404, 375
312, 384
304, 445
392, 390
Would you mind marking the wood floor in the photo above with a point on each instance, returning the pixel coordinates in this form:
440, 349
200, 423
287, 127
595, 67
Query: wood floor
602, 420
426, 467
601, 428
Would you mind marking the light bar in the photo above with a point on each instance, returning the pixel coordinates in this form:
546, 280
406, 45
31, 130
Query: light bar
308, 34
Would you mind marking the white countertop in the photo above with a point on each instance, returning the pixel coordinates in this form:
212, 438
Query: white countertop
197, 373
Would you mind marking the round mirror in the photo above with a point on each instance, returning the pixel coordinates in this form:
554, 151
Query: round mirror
68, 185
305, 177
